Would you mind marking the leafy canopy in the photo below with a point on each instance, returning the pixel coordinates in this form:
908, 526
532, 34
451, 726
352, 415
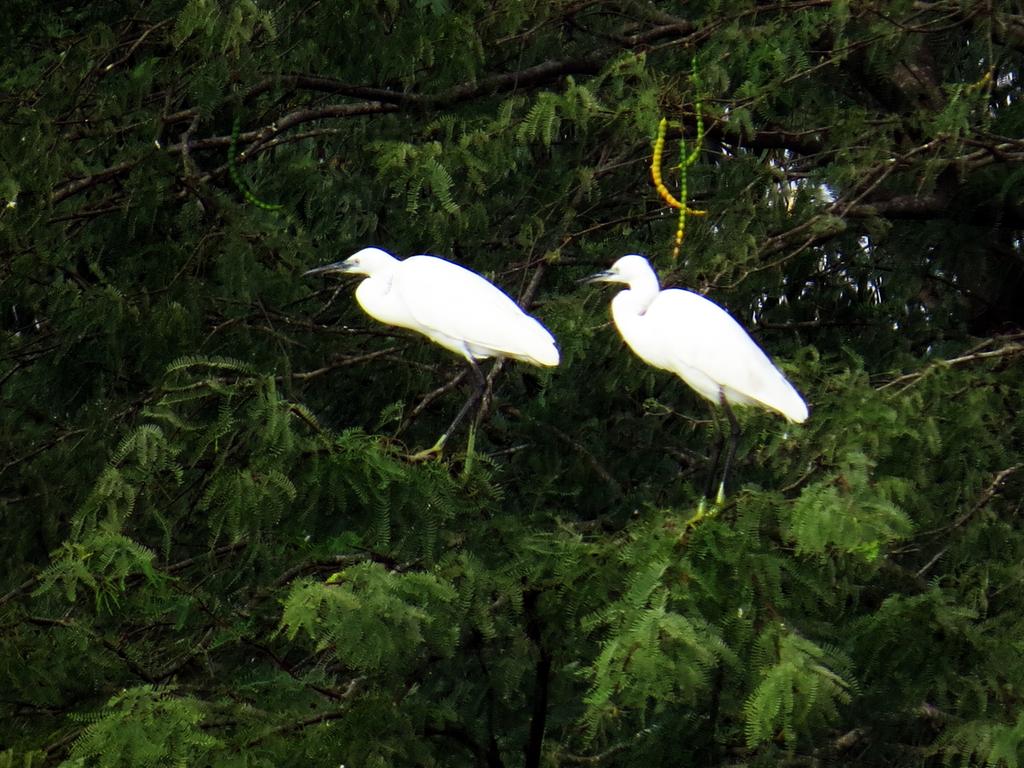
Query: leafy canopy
216, 552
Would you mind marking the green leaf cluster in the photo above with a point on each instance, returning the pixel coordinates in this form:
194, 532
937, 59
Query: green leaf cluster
217, 550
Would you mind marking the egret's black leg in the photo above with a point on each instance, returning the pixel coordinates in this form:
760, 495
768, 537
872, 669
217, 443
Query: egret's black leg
734, 435
474, 398
716, 455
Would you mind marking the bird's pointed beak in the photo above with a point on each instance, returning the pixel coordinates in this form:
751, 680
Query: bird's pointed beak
607, 276
338, 266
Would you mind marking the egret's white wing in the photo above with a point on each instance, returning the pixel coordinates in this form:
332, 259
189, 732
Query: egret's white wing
699, 336
460, 304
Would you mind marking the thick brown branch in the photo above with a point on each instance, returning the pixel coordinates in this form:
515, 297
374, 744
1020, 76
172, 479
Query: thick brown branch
531, 77
939, 206
73, 187
324, 85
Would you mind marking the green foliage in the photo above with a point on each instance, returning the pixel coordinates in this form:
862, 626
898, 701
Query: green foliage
980, 742
216, 549
844, 512
801, 684
650, 654
101, 561
226, 30
373, 620
144, 726
236, 175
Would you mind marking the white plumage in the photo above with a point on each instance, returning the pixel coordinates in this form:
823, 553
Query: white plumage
691, 336
450, 305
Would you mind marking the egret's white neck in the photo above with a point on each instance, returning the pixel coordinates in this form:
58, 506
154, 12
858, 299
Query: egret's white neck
643, 289
374, 295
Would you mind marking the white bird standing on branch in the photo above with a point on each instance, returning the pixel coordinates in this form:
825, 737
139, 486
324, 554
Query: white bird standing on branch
451, 306
689, 335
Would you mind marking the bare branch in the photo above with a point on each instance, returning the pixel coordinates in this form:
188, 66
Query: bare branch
341, 361
1011, 349
69, 188
323, 717
134, 46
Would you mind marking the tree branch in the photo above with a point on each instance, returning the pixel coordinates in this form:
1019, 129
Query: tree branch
541, 679
383, 100
1011, 349
323, 717
73, 187
341, 361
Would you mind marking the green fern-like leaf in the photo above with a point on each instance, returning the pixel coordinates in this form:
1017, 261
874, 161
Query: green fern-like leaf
146, 725
801, 684
371, 618
541, 121
213, 362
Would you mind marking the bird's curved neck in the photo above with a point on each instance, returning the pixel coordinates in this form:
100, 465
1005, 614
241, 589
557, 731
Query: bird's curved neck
374, 295
643, 289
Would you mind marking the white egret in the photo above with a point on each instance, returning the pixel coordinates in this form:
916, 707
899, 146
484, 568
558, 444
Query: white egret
691, 336
451, 306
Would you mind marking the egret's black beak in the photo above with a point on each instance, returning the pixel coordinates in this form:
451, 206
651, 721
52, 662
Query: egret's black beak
338, 266
600, 277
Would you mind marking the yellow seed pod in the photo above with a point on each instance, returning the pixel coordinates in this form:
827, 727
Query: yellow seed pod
659, 146
685, 160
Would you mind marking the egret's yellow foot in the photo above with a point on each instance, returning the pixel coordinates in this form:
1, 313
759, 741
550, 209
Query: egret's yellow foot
431, 452
702, 508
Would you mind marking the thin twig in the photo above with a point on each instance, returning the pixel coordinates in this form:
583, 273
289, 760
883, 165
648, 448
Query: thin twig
323, 717
983, 500
987, 494
135, 45
908, 379
339, 362
23, 587
429, 398
211, 555
608, 753
42, 449
595, 465
337, 561
187, 165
